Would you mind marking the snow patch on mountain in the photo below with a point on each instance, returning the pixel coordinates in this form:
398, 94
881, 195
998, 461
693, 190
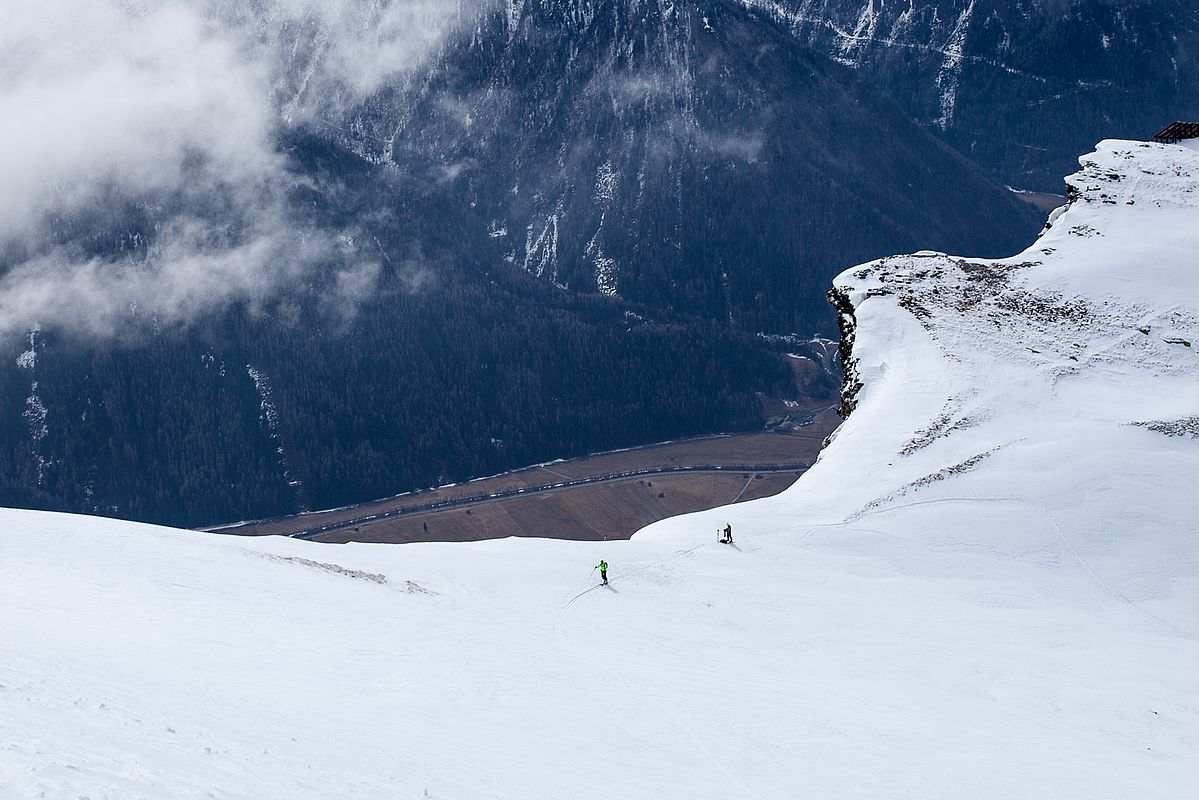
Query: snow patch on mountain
270, 421
541, 248
864, 32
35, 413
950, 75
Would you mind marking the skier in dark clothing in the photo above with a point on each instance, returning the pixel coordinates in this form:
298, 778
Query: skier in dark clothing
602, 566
728, 533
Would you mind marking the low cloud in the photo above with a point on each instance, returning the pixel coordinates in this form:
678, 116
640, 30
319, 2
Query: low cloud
737, 146
654, 87
97, 98
181, 277
173, 108
671, 95
415, 277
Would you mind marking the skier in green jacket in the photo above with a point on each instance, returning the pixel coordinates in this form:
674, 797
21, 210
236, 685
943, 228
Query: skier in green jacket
602, 566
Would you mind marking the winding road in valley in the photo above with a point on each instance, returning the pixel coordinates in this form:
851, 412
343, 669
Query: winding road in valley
424, 508
606, 495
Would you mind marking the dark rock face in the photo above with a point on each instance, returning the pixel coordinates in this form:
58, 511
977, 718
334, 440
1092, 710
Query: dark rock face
1020, 86
851, 383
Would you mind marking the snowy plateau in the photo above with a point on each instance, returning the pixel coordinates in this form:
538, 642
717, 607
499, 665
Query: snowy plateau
987, 587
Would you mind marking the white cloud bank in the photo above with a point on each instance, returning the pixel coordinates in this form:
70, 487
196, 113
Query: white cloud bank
173, 105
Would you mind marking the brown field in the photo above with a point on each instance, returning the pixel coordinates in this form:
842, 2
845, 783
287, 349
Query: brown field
603, 510
614, 510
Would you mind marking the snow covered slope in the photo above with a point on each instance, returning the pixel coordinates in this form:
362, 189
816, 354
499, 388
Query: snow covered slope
987, 588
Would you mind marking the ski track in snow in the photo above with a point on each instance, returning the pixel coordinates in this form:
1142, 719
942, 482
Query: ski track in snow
636, 687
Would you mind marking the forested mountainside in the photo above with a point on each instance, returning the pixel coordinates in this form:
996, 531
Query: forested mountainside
689, 156
1020, 86
559, 230
456, 365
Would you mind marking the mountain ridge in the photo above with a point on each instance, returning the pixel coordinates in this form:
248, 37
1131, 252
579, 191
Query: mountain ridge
1019, 86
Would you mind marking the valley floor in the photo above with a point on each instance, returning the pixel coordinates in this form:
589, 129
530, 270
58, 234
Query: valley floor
602, 496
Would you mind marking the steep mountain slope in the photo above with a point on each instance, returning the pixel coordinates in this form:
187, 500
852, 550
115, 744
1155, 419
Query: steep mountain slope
442, 365
1020, 86
414, 286
209, 428
985, 588
689, 156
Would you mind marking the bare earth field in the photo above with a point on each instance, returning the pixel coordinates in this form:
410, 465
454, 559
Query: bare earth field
602, 496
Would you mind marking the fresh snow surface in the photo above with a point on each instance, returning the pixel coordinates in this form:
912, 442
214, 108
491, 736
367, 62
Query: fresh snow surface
988, 587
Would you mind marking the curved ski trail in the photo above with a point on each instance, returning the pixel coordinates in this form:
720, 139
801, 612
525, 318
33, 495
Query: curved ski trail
682, 726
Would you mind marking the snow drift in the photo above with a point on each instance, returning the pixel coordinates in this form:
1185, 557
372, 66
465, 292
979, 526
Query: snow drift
987, 587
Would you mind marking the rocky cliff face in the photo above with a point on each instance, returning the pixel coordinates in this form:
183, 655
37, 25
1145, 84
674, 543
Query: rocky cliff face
1020, 86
